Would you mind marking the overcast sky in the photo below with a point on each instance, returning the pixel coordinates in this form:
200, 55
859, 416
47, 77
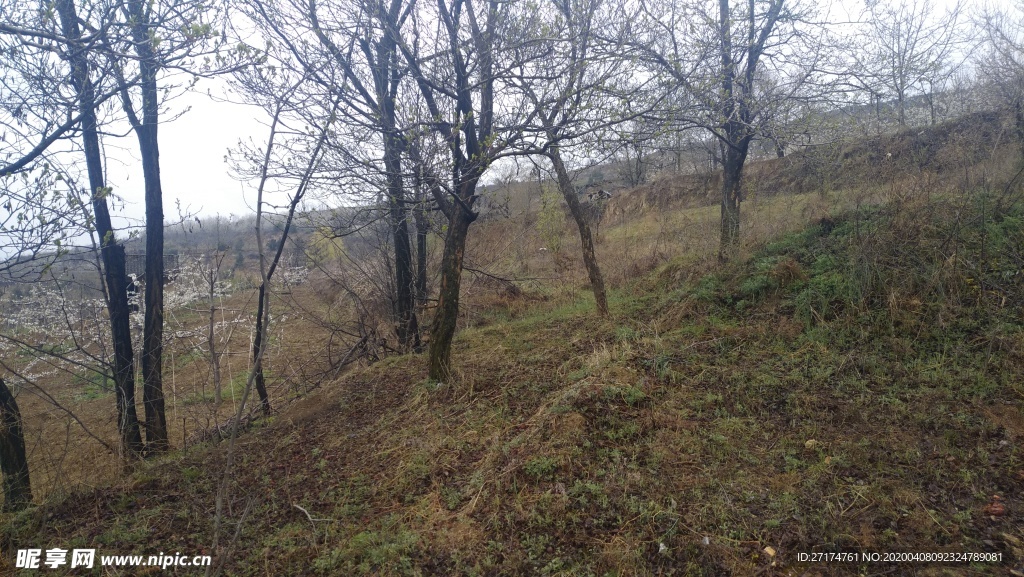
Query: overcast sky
192, 150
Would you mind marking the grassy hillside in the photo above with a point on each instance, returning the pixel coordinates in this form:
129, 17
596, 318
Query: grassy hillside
854, 384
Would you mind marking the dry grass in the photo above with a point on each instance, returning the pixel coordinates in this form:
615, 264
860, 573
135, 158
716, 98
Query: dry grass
63, 458
719, 412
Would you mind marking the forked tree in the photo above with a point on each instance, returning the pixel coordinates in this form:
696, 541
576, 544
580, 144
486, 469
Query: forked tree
459, 67
113, 255
161, 37
717, 53
580, 87
66, 98
355, 60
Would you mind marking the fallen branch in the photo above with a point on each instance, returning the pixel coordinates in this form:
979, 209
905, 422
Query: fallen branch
310, 517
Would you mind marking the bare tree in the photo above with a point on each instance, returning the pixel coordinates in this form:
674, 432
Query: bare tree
110, 49
912, 48
56, 90
115, 275
290, 161
459, 66
276, 107
576, 85
1003, 59
717, 52
355, 59
161, 37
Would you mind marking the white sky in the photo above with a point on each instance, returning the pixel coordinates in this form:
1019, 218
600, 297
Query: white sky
192, 164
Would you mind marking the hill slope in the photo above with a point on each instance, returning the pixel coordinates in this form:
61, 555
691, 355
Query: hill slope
854, 386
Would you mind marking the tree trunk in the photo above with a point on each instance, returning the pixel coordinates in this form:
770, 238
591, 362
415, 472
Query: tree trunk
111, 252
405, 298
153, 324
386, 85
732, 172
442, 330
115, 276
211, 335
576, 210
473, 97
901, 109
421, 250
13, 462
737, 94
257, 349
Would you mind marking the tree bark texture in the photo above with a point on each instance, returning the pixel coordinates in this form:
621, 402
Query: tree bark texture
586, 238
421, 252
112, 253
13, 462
386, 77
732, 196
405, 298
257, 353
153, 324
446, 316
